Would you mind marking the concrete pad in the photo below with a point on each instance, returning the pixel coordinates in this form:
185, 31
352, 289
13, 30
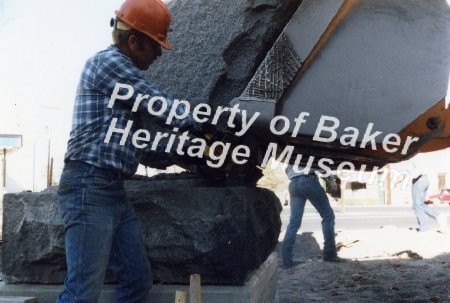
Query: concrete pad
14, 299
261, 287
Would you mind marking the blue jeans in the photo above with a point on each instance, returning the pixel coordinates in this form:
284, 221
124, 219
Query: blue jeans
302, 188
422, 211
101, 228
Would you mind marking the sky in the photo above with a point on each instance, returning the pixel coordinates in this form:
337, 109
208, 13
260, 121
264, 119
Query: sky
42, 51
43, 48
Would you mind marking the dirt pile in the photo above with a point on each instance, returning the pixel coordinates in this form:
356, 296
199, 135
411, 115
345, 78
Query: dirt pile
385, 265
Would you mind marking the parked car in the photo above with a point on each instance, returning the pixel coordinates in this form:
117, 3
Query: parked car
443, 196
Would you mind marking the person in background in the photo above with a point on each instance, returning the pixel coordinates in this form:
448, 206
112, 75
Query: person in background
304, 185
101, 227
419, 188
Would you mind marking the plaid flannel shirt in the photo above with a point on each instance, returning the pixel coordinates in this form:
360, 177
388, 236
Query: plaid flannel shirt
92, 118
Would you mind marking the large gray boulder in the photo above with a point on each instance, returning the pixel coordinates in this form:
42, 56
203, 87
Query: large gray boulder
217, 46
221, 233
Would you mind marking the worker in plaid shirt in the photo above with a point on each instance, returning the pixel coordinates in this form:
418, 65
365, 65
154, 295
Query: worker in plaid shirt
101, 227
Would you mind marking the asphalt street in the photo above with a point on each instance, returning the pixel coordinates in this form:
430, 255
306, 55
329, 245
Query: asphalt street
363, 217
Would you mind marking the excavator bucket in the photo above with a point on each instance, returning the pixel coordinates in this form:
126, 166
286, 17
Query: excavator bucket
356, 80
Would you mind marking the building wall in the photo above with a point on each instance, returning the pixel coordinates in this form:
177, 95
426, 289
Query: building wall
397, 189
432, 164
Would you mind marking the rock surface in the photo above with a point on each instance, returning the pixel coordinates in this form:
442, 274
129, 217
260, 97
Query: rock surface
217, 46
221, 233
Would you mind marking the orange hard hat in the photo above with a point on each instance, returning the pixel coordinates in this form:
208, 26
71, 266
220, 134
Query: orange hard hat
151, 17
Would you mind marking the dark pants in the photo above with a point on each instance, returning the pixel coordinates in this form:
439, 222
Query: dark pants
101, 228
302, 188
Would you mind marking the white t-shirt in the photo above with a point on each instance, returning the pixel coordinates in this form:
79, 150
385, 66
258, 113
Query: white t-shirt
297, 170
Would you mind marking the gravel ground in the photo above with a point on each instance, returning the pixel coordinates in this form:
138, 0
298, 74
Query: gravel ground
384, 265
